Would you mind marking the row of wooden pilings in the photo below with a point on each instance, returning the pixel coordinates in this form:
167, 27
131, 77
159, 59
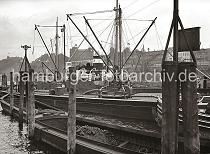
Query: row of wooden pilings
26, 87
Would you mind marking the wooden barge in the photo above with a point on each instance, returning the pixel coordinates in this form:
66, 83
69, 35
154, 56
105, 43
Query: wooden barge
137, 108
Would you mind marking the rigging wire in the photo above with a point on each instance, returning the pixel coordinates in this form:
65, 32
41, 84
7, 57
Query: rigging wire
158, 36
124, 44
85, 13
42, 45
138, 61
204, 70
97, 24
112, 39
132, 3
78, 35
98, 19
70, 35
125, 32
33, 46
83, 52
71, 56
138, 34
39, 46
158, 46
203, 73
61, 43
142, 46
125, 40
51, 43
157, 33
129, 30
75, 36
33, 42
109, 35
150, 4
141, 20
86, 26
103, 31
102, 22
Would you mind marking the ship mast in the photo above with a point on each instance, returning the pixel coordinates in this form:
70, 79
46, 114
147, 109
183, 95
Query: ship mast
56, 47
118, 37
116, 33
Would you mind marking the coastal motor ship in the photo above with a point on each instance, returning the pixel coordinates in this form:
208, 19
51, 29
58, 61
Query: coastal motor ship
103, 72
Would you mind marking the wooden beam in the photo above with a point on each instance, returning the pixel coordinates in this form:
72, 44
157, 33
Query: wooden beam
11, 93
71, 124
31, 105
190, 108
21, 102
169, 134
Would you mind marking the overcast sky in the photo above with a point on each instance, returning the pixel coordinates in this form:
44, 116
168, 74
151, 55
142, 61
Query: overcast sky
17, 19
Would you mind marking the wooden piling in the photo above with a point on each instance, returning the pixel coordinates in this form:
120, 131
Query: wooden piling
21, 90
26, 98
169, 135
204, 82
4, 80
11, 93
190, 108
71, 124
17, 84
31, 105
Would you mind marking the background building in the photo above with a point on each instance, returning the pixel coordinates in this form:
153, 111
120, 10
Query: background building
80, 57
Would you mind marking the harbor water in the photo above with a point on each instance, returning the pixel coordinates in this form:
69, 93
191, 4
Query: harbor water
15, 141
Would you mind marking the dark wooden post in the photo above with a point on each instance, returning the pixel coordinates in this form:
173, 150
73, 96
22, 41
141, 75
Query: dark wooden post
11, 93
204, 82
169, 134
170, 92
26, 47
190, 108
21, 89
17, 84
4, 80
31, 105
71, 124
26, 98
